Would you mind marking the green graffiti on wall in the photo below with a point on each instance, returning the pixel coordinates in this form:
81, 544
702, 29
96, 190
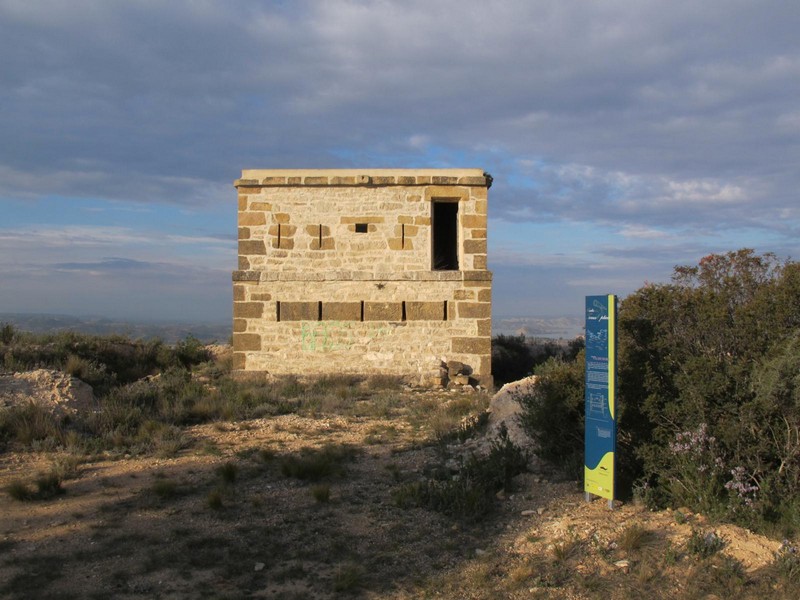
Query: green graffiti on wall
332, 336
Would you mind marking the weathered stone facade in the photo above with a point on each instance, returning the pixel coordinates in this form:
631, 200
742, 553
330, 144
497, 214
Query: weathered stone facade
363, 271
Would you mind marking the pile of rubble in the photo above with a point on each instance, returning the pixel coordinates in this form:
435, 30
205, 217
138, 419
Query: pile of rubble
57, 392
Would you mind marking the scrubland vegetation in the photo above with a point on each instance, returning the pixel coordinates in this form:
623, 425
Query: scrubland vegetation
709, 393
185, 482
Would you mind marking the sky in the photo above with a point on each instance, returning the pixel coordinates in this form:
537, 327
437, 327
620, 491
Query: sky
625, 137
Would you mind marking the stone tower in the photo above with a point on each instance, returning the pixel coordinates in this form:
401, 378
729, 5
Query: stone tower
363, 271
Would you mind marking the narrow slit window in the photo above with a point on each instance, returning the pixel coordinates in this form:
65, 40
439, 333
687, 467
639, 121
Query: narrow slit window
403, 236
278, 311
362, 227
279, 235
319, 310
445, 311
362, 310
445, 236
319, 240
403, 314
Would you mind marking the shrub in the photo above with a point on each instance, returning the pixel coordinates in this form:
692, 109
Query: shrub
512, 358
313, 464
704, 544
553, 413
469, 495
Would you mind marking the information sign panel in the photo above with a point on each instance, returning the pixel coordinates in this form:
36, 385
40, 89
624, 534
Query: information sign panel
601, 426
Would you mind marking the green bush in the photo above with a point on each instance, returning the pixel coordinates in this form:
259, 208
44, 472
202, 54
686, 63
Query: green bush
708, 403
553, 413
469, 495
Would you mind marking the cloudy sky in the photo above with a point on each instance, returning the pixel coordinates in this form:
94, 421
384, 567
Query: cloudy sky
624, 136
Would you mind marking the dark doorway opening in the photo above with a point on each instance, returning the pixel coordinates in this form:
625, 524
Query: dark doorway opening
445, 236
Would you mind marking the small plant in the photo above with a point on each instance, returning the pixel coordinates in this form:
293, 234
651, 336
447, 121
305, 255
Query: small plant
164, 488
19, 490
214, 499
48, 485
348, 578
228, 472
704, 544
787, 562
321, 493
634, 538
313, 464
566, 549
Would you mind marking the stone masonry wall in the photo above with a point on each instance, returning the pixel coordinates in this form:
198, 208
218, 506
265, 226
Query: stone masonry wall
335, 274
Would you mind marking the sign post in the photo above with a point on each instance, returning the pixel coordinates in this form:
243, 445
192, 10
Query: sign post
600, 423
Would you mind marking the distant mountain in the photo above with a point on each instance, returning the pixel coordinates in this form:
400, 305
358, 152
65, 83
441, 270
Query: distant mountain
550, 327
168, 331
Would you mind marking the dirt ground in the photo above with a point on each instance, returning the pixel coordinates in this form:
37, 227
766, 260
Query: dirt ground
222, 519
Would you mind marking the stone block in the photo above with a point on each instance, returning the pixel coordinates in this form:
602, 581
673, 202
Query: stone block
485, 295
248, 310
299, 311
472, 345
473, 221
464, 295
244, 233
353, 220
341, 311
239, 361
252, 247
484, 327
243, 264
243, 202
479, 261
383, 311
239, 325
422, 221
264, 206
343, 180
251, 218
425, 311
474, 310
444, 180
261, 297
477, 234
238, 293
328, 244
406, 180
315, 181
246, 342
405, 219
283, 244
280, 218
273, 181
383, 180
294, 180
474, 246
479, 181
395, 244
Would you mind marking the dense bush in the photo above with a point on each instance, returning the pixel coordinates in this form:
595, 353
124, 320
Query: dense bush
709, 391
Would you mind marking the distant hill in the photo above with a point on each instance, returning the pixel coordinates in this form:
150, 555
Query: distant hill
168, 331
548, 327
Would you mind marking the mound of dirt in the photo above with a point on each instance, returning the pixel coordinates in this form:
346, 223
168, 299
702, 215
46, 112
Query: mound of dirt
55, 391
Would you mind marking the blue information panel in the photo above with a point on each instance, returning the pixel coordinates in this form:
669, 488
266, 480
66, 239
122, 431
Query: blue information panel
601, 425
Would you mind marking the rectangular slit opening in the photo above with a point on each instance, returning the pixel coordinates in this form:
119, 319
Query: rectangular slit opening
362, 227
320, 236
279, 235
444, 317
445, 236
403, 236
319, 310
362, 310
278, 311
403, 311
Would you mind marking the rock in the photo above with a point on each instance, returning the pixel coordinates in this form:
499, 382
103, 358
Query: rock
540, 511
57, 392
622, 564
259, 566
528, 513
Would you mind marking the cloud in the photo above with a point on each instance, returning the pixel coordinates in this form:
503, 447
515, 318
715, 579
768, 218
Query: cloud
660, 126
